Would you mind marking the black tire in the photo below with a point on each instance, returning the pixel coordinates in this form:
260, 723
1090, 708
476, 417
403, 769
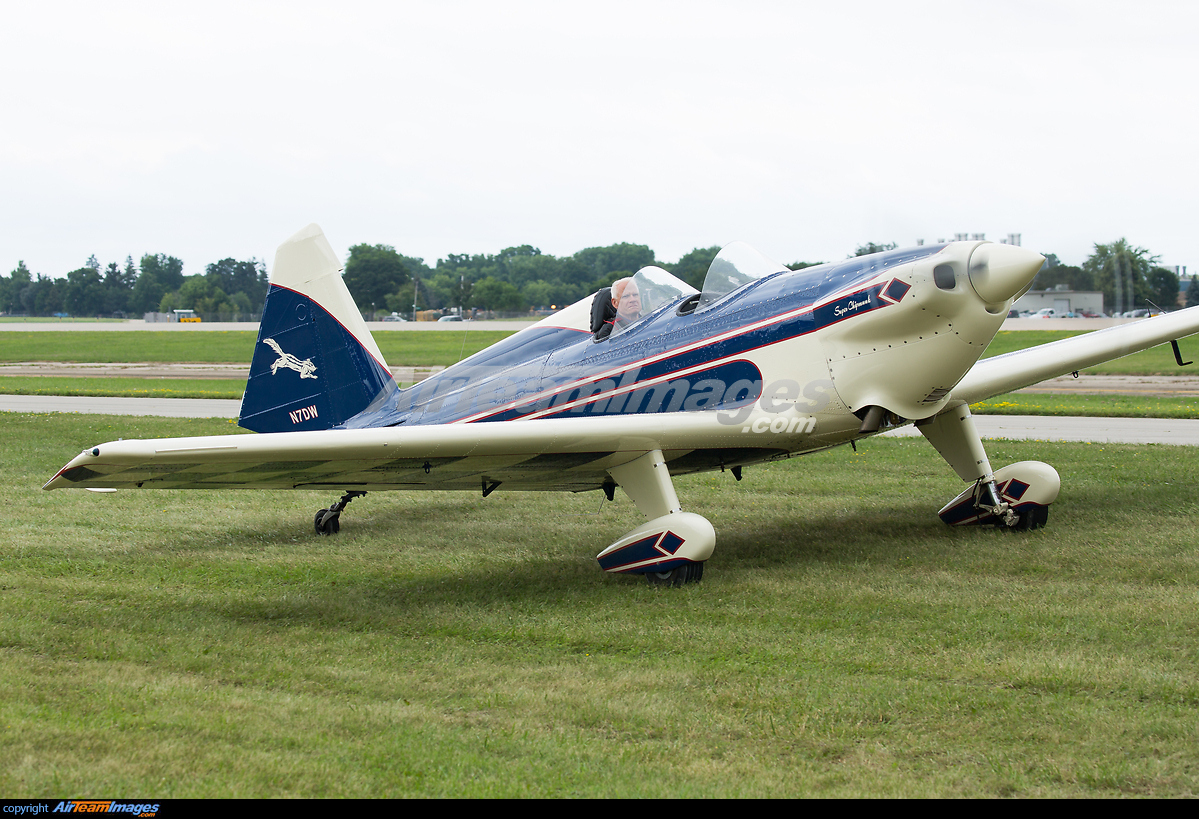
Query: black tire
1033, 518
679, 576
331, 526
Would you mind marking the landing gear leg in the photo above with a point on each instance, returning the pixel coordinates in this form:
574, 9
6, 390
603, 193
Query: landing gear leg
328, 521
670, 549
1015, 497
986, 499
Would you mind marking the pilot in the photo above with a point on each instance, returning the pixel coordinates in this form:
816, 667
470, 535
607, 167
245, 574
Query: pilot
627, 301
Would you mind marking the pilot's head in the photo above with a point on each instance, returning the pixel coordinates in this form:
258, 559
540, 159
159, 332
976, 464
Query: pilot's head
626, 300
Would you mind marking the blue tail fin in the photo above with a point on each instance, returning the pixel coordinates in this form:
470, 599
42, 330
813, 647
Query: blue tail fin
315, 364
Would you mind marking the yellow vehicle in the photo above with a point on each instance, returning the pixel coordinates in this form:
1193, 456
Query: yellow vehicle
186, 315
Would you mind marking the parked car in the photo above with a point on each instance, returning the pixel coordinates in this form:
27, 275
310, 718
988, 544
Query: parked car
450, 318
394, 317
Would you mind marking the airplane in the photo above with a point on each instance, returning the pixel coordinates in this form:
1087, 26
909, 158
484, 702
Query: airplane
761, 364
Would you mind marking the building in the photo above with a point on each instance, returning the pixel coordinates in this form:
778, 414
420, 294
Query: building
1062, 301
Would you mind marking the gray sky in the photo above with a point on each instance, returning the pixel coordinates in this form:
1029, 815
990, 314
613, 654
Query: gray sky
219, 129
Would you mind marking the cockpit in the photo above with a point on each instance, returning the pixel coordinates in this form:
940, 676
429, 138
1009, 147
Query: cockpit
635, 298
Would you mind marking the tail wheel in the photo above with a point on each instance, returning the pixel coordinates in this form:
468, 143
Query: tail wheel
326, 524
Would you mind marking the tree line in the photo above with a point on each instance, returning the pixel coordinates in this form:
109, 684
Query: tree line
516, 280
1129, 277
229, 289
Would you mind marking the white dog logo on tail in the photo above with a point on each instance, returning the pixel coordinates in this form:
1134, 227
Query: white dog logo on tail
305, 368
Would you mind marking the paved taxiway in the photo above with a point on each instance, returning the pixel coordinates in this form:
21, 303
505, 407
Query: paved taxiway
1016, 427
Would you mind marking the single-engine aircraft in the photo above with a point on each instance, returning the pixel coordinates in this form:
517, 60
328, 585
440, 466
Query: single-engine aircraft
763, 363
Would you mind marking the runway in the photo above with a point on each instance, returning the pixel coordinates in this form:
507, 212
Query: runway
1179, 432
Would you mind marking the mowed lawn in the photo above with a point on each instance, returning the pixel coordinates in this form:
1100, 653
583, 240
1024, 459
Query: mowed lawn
442, 348
415, 348
843, 642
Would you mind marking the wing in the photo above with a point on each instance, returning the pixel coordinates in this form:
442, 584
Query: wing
552, 454
1012, 371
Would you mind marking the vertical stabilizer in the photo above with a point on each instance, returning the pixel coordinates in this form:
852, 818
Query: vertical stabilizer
315, 363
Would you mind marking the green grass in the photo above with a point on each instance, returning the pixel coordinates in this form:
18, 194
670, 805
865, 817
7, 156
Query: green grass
53, 320
416, 348
431, 348
843, 642
1099, 405
232, 389
123, 387
1154, 361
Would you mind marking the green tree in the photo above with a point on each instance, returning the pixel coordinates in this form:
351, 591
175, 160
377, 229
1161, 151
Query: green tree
401, 300
473, 267
118, 286
530, 268
493, 294
202, 294
84, 292
160, 274
44, 296
1053, 273
232, 277
1193, 292
624, 258
1163, 286
871, 247
372, 272
13, 286
1121, 271
448, 290
693, 266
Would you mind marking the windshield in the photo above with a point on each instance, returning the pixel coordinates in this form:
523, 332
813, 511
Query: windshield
643, 293
736, 265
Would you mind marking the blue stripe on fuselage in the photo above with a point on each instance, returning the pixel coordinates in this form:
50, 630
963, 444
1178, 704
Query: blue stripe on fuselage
531, 370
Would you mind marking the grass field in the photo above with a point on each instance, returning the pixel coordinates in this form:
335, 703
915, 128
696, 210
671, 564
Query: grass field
230, 389
414, 349
432, 348
124, 387
843, 642
420, 349
1100, 405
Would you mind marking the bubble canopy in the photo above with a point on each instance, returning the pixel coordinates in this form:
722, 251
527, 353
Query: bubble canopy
736, 265
655, 288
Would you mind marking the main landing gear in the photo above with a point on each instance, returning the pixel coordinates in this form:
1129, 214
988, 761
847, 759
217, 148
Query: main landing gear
680, 576
328, 521
1016, 497
671, 547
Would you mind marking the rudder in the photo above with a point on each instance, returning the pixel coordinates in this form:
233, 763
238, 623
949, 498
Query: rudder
315, 363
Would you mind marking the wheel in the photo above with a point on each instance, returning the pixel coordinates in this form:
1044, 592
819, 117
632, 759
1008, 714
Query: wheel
1032, 518
678, 576
330, 526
